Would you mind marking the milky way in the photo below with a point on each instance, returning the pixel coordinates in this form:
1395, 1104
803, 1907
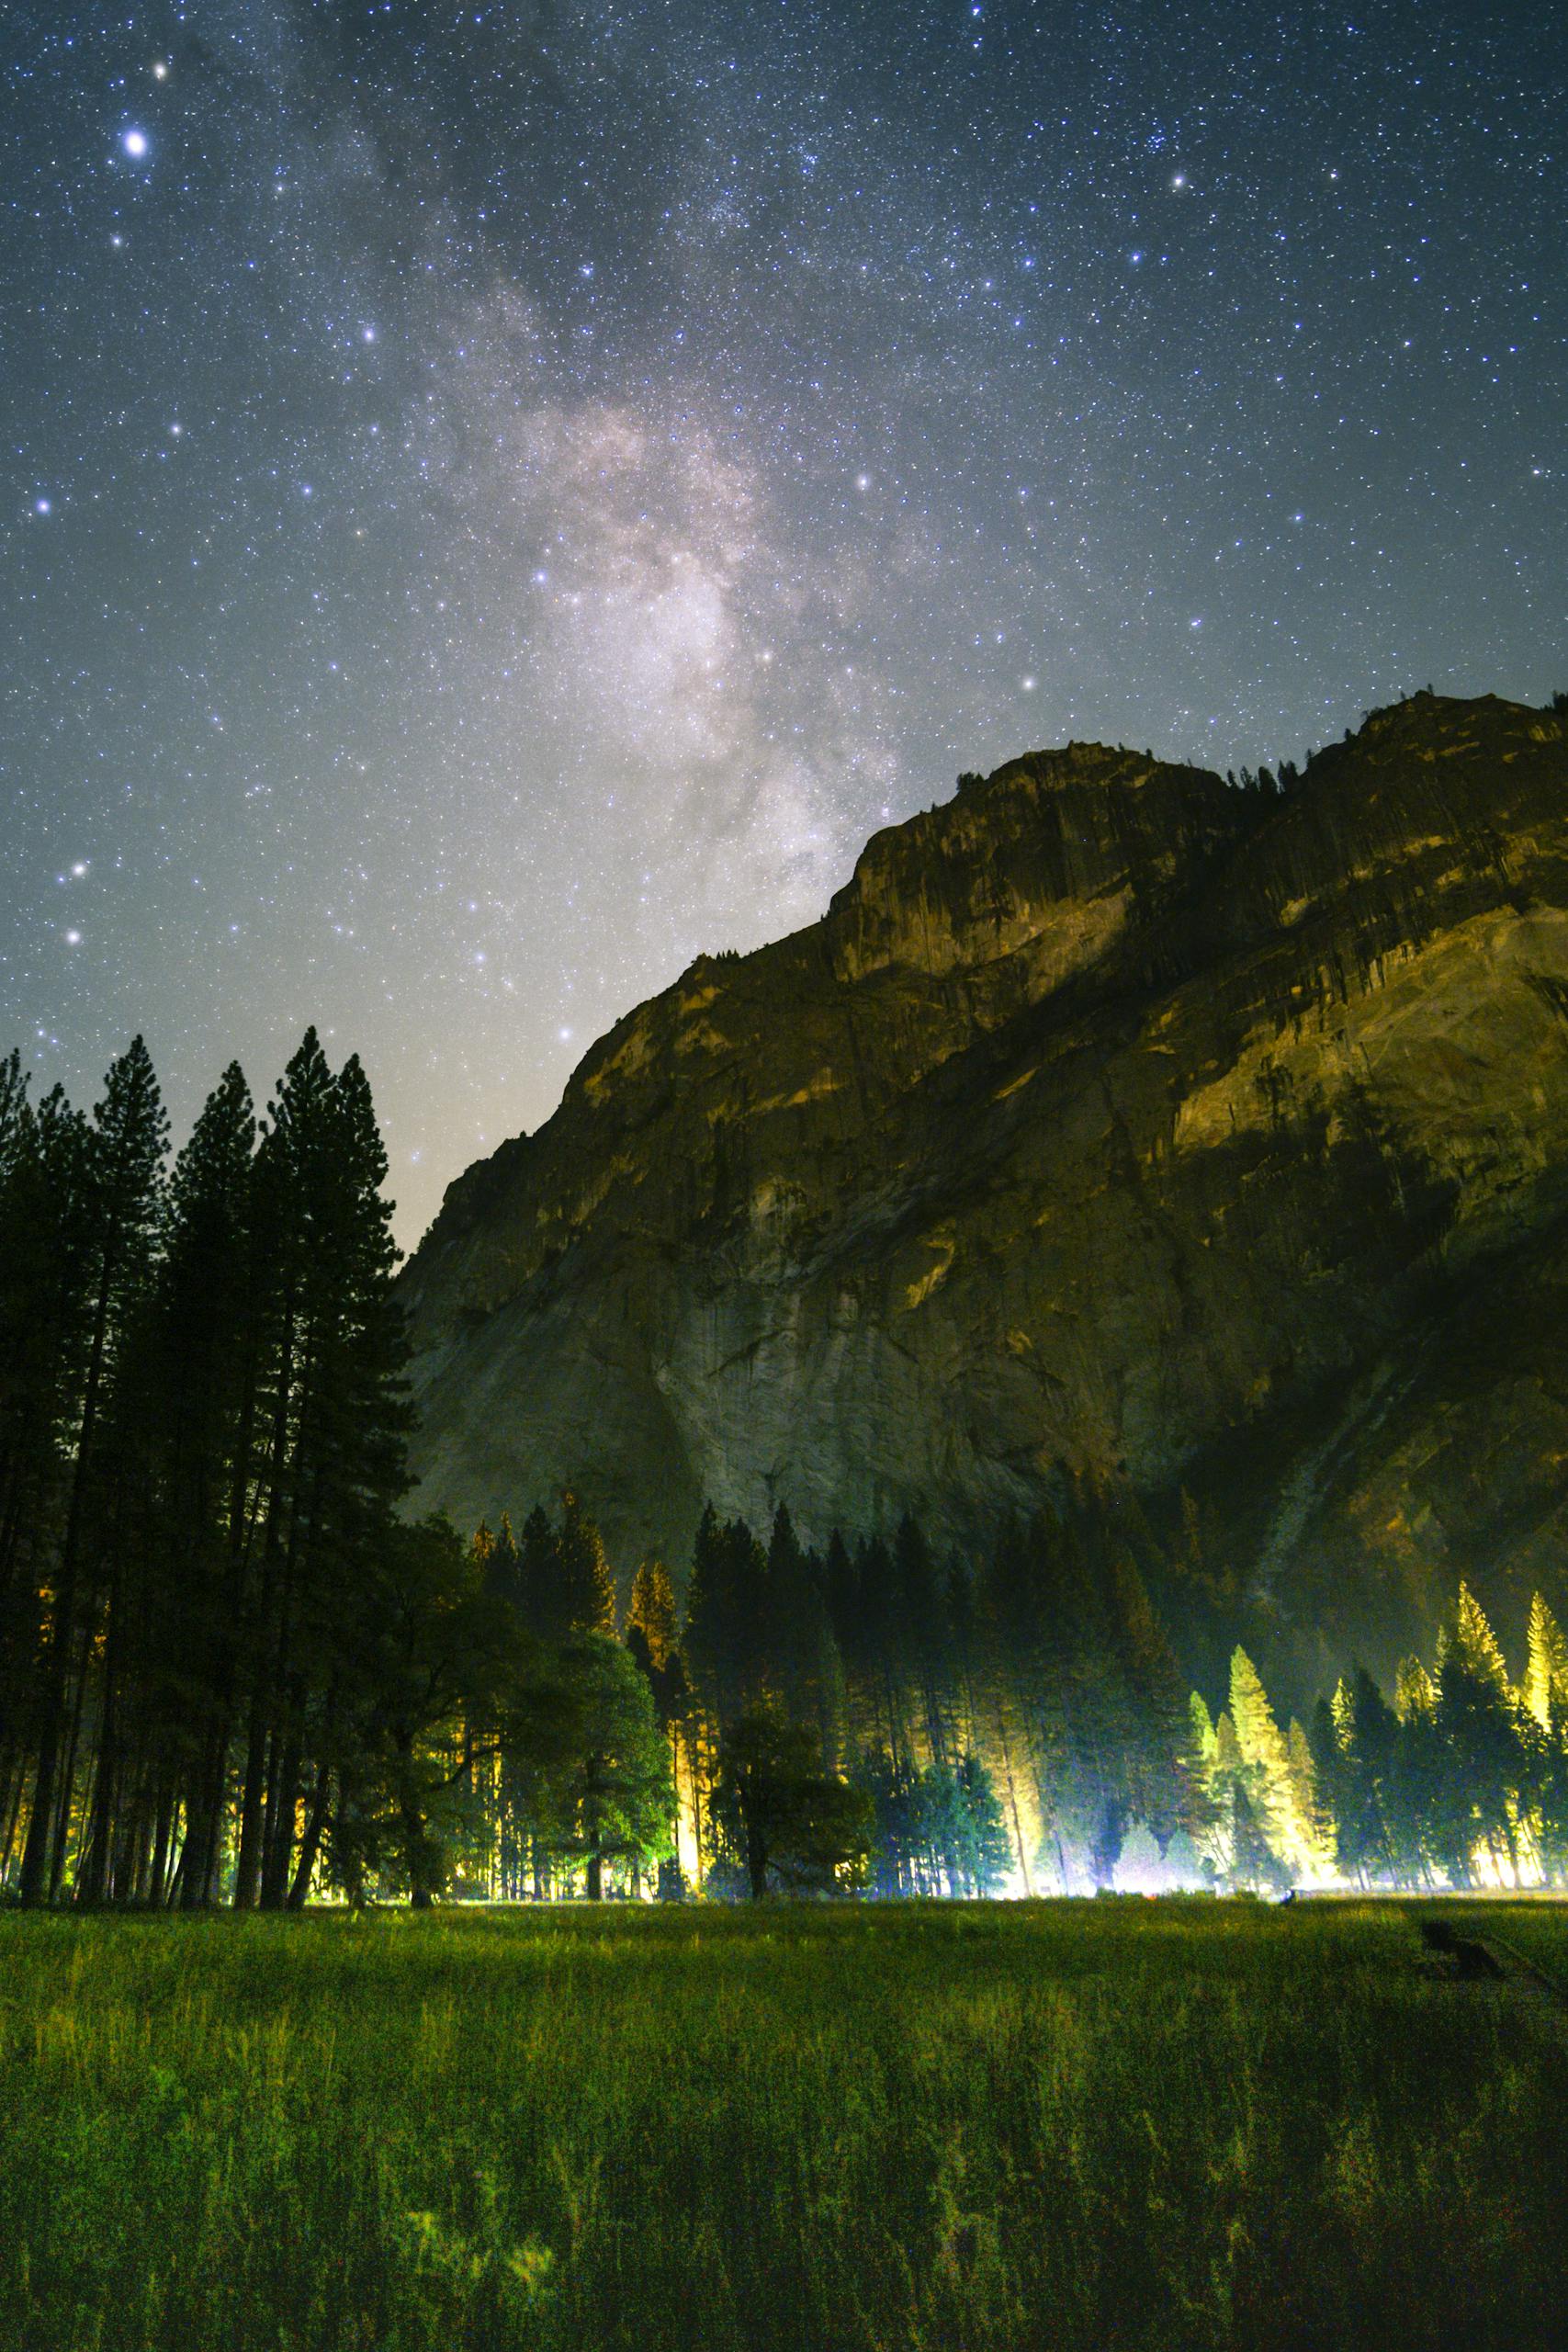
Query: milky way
499, 500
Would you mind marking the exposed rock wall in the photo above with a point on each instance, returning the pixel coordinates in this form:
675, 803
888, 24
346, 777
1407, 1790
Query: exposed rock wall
1110, 1121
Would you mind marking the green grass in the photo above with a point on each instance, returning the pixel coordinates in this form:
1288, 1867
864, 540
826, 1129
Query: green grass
1536, 1929
1111, 2125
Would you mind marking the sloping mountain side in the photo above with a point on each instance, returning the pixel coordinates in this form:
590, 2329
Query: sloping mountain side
1114, 1124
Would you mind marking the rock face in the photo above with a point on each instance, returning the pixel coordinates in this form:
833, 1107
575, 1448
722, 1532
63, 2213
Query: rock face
1110, 1123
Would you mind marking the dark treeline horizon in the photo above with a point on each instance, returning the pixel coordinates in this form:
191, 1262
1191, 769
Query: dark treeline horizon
232, 1671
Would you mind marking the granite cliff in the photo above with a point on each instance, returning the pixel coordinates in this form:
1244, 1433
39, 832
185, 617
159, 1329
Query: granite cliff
1112, 1124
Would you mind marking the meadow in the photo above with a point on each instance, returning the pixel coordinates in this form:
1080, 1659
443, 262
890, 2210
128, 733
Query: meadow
1129, 2125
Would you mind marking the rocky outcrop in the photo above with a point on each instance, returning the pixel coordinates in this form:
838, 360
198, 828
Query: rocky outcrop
1110, 1123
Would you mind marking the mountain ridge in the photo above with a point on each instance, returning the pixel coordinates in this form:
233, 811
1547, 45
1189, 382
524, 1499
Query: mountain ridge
1108, 1113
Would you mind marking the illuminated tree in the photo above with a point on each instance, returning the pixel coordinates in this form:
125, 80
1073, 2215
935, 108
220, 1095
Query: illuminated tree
1250, 1858
602, 1764
1546, 1675
431, 1672
1414, 1783
896, 1795
586, 1589
1472, 1632
651, 1627
652, 1616
1481, 1762
979, 1850
1266, 1763
1313, 1819
1355, 1751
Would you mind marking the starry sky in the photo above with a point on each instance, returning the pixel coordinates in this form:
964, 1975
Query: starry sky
497, 500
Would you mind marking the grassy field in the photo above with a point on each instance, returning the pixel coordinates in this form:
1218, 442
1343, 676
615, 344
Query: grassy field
1117, 2124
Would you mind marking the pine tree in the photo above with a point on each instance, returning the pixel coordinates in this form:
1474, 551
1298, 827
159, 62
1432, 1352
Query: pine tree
727, 1617
800, 1667
1250, 1858
1267, 1765
652, 1625
982, 1849
537, 1577
1415, 1786
1546, 1676
586, 1603
652, 1612
919, 1635
1313, 1818
120, 1201
334, 1426
504, 1572
44, 1311
1356, 1739
1484, 1764
205, 1341
292, 1225
1473, 1635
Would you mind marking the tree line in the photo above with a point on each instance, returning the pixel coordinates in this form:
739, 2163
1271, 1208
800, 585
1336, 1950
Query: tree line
233, 1669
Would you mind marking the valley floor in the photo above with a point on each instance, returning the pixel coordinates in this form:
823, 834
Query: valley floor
1132, 2124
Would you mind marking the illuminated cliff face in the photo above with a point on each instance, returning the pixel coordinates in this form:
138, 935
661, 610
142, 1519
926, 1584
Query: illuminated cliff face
1109, 1121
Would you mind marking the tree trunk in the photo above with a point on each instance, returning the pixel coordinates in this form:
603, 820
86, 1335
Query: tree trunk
312, 1842
162, 1844
756, 1854
10, 1812
247, 1870
283, 1805
96, 1879
66, 1788
38, 1868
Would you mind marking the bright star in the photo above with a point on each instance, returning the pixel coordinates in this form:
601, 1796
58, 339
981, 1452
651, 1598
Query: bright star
135, 144
41, 506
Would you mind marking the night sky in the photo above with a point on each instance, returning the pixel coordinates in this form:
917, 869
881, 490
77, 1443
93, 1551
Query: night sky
498, 500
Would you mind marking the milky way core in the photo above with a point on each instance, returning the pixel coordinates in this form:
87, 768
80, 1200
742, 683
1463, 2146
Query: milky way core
500, 500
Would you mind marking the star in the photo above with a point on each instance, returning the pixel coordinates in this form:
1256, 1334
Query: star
635, 634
